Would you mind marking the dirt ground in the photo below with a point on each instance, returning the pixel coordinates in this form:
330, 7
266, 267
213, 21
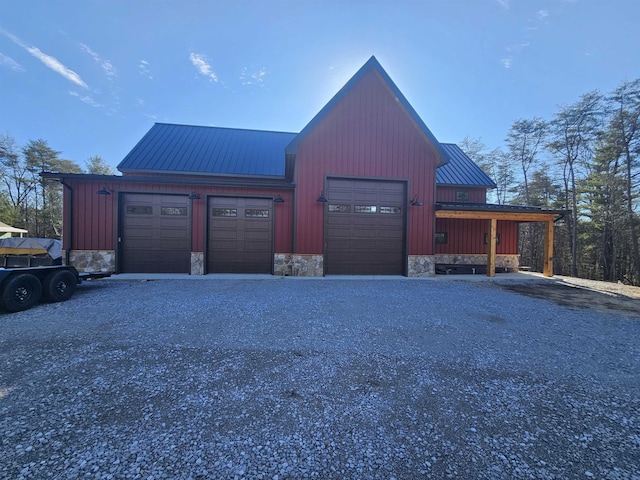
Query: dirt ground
581, 293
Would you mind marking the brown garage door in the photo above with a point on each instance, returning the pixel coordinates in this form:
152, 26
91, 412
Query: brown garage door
156, 233
240, 235
364, 227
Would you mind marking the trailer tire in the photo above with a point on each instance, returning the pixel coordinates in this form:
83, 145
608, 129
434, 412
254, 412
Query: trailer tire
59, 286
21, 292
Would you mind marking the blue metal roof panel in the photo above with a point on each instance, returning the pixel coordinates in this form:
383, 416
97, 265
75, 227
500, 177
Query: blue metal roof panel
461, 170
208, 150
371, 63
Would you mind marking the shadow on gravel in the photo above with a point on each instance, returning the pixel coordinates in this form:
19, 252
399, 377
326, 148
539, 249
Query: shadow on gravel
578, 297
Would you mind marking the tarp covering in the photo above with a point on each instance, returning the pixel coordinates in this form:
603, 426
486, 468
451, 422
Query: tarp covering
31, 246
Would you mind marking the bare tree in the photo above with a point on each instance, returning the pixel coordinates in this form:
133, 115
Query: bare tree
573, 133
524, 141
625, 126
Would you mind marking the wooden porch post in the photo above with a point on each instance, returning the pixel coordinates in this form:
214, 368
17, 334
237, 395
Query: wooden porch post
491, 257
547, 270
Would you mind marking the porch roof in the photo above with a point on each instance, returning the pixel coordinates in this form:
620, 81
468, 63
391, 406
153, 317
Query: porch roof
487, 211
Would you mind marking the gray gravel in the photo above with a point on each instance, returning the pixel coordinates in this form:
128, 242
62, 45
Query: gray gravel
287, 379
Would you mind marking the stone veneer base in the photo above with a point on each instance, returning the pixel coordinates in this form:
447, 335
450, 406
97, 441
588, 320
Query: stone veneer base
197, 263
509, 262
421, 266
295, 265
93, 260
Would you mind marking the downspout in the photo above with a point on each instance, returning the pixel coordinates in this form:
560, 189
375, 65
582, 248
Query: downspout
69, 227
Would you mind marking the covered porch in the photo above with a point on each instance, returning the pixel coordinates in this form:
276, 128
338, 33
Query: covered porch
492, 214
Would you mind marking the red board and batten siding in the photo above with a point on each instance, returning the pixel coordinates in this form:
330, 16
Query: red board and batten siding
448, 194
94, 216
467, 236
366, 134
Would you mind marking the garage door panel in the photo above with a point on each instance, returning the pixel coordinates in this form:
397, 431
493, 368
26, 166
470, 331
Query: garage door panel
364, 220
137, 222
224, 245
390, 234
226, 235
338, 233
339, 219
175, 224
339, 244
175, 234
338, 196
366, 235
261, 237
240, 244
156, 233
257, 226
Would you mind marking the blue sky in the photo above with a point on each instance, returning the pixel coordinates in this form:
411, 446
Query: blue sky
91, 77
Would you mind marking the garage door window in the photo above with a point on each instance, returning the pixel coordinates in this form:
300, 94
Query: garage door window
391, 210
365, 209
340, 208
256, 213
224, 212
139, 209
174, 211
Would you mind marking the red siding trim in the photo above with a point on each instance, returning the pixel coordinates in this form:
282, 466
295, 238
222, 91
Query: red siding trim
94, 216
367, 134
467, 236
448, 194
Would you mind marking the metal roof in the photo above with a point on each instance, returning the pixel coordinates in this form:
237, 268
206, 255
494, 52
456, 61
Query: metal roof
189, 149
461, 170
372, 63
492, 207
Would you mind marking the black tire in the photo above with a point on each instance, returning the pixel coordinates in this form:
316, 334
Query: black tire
59, 286
21, 292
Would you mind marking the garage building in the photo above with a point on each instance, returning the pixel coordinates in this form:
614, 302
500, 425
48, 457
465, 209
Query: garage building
364, 188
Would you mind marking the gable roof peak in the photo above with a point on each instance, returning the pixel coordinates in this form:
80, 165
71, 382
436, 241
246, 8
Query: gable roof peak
372, 63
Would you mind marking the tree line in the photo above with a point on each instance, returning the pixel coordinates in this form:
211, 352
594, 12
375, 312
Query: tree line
29, 201
585, 160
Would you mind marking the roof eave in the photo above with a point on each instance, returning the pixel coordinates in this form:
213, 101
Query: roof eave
464, 185
201, 174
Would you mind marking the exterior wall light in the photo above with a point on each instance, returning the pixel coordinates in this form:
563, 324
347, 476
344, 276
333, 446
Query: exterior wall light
321, 198
104, 191
416, 202
278, 199
194, 196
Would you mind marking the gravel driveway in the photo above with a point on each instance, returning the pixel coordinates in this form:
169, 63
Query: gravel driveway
289, 379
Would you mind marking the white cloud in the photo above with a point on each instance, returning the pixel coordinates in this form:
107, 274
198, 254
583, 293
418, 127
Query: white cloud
199, 61
143, 68
542, 14
51, 62
57, 66
518, 47
504, 3
9, 62
86, 99
506, 62
255, 78
106, 65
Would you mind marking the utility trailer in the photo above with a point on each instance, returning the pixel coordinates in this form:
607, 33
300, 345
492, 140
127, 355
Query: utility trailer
22, 288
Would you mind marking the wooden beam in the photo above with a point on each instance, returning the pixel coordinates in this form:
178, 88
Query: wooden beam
521, 217
491, 256
547, 269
